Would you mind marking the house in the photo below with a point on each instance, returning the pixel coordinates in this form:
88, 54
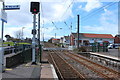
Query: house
87, 38
50, 40
55, 40
66, 41
117, 39
61, 40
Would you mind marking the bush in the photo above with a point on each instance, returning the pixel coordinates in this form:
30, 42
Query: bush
81, 49
75, 50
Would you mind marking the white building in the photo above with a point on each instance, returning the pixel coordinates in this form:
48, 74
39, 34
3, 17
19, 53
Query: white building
61, 40
86, 38
66, 41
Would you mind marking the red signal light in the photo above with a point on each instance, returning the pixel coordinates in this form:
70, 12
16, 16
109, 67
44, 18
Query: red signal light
35, 10
34, 7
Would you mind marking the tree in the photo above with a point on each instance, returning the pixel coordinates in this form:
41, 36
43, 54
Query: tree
8, 37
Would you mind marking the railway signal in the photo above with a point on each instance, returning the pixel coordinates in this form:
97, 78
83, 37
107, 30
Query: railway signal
34, 7
35, 10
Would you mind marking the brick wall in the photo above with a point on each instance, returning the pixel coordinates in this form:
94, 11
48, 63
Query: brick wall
117, 40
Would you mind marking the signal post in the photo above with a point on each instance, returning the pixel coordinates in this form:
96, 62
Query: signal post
35, 10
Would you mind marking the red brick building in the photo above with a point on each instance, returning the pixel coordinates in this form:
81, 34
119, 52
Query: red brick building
86, 38
117, 39
55, 40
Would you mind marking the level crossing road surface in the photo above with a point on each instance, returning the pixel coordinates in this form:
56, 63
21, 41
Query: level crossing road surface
111, 52
55, 48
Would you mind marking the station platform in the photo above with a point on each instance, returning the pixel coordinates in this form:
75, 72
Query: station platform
110, 55
22, 72
28, 72
48, 72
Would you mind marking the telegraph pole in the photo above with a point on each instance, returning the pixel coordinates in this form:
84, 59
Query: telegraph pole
78, 32
38, 28
39, 35
71, 27
55, 35
33, 39
43, 38
118, 18
70, 33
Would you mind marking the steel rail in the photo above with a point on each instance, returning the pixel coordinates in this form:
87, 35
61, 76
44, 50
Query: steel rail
54, 63
100, 73
111, 70
72, 67
69, 66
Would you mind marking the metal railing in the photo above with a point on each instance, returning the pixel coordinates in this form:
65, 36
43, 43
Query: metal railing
15, 49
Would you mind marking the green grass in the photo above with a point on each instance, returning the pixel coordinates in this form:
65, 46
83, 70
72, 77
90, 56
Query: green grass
23, 43
12, 43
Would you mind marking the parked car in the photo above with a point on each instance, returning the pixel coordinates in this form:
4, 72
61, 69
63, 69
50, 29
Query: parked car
117, 46
113, 46
110, 46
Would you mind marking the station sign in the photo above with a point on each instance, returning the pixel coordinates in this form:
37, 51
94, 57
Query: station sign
11, 7
3, 16
1, 0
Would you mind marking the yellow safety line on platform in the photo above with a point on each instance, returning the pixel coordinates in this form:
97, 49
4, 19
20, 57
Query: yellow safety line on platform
8, 69
34, 65
26, 65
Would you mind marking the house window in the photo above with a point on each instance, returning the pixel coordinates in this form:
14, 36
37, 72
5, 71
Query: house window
92, 39
100, 39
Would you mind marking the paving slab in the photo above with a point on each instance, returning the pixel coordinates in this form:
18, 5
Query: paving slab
48, 72
0, 76
22, 72
111, 52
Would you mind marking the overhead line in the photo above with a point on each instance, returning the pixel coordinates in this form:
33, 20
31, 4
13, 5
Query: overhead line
67, 8
96, 12
54, 25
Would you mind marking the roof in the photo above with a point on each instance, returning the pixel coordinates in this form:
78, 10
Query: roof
117, 36
55, 39
91, 35
67, 37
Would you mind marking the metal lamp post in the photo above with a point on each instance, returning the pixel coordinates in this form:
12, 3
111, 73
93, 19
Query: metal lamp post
22, 32
2, 51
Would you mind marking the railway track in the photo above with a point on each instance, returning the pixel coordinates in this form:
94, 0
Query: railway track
64, 69
50, 45
103, 71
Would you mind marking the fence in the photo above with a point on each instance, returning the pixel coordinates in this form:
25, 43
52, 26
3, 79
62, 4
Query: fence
22, 56
15, 49
97, 47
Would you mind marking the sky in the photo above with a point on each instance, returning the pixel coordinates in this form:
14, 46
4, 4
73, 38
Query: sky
60, 17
